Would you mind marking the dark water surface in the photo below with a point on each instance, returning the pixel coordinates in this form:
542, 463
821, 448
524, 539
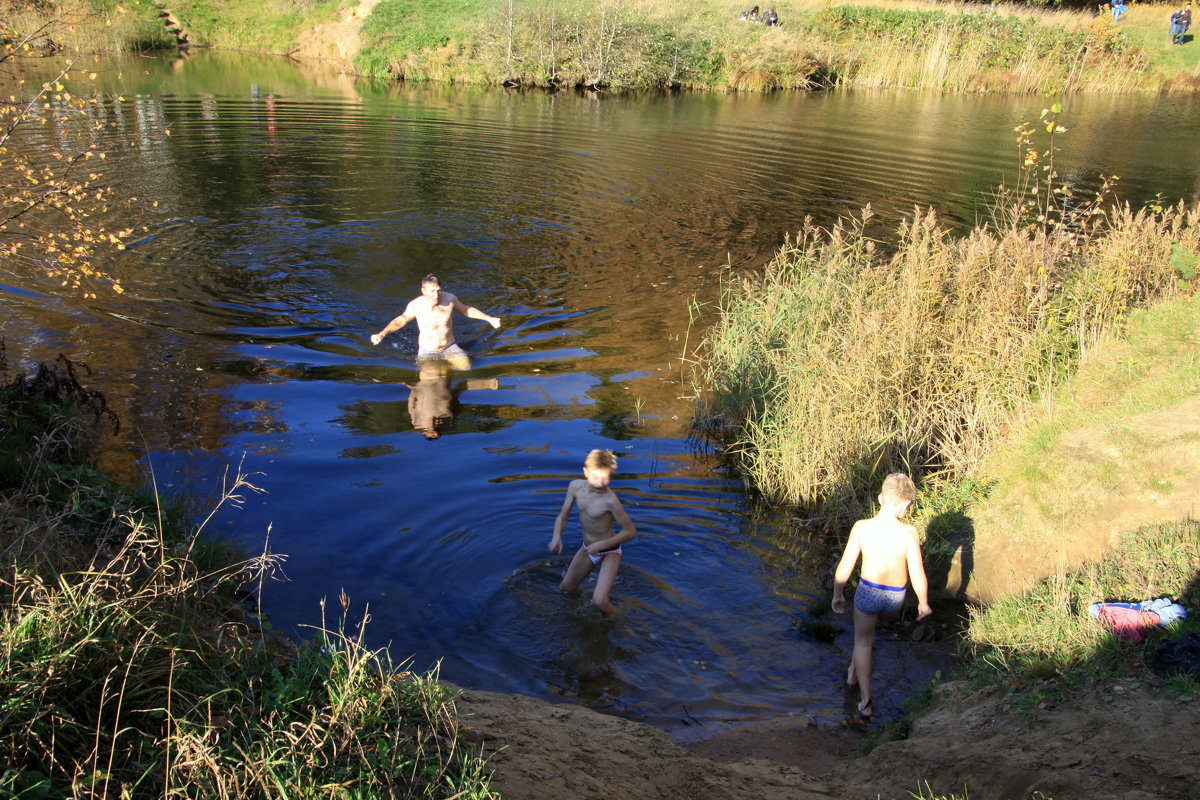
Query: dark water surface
296, 213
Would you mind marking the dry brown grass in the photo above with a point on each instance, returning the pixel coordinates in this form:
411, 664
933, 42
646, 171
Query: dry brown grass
840, 363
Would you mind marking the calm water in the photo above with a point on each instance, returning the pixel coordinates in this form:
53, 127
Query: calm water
296, 213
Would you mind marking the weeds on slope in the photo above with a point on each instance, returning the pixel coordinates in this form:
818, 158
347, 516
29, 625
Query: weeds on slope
133, 667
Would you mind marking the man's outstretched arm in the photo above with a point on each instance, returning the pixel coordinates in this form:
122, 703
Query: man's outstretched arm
395, 325
475, 313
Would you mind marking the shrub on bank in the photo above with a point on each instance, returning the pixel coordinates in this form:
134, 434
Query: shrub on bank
617, 45
841, 361
133, 668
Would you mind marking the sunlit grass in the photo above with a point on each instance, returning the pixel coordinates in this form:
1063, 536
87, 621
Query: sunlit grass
263, 25
1047, 632
840, 362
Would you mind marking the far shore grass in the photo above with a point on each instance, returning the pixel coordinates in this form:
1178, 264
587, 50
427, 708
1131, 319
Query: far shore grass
653, 44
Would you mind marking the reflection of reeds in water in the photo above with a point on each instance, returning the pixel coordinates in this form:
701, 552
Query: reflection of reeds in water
840, 363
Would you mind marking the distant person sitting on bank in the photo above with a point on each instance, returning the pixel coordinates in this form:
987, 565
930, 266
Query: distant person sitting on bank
1118, 9
771, 18
1181, 20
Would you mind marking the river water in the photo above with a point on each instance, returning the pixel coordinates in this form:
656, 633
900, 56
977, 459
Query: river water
293, 212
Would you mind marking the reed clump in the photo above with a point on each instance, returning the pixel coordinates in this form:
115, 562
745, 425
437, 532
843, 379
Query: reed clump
981, 49
133, 667
843, 360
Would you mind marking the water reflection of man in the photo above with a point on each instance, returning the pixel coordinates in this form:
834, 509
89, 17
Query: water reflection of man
435, 326
431, 401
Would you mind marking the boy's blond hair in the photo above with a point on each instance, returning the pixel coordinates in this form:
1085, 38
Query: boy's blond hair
601, 459
899, 486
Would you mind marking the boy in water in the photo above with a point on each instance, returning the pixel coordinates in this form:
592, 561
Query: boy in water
891, 558
599, 509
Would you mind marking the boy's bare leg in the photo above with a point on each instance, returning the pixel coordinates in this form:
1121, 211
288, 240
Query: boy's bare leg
860, 664
580, 568
604, 584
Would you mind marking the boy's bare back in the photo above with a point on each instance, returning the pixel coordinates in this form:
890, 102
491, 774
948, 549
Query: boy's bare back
887, 546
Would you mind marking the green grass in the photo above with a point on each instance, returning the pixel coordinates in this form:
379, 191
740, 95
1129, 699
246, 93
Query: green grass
1047, 635
1146, 24
397, 28
132, 667
1090, 438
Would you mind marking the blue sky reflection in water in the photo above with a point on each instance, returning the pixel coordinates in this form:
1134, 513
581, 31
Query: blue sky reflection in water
297, 213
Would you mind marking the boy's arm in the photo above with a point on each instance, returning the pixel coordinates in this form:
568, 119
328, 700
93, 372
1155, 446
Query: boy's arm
846, 566
560, 521
916, 576
626, 532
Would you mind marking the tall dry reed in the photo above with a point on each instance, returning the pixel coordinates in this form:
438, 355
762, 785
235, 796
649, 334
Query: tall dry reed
841, 362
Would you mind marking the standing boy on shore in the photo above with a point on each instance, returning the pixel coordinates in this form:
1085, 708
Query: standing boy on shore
599, 513
891, 558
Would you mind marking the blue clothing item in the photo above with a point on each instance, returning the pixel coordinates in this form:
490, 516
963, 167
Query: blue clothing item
1168, 612
875, 598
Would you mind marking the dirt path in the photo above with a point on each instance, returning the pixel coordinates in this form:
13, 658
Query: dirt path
1133, 744
337, 41
548, 752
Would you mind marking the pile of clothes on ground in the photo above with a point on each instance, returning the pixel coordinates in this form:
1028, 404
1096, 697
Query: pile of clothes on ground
1132, 620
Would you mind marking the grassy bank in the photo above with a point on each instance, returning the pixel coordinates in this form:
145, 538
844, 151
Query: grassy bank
843, 360
653, 44
84, 27
639, 44
132, 666
1047, 635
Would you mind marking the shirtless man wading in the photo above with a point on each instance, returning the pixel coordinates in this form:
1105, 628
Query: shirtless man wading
432, 311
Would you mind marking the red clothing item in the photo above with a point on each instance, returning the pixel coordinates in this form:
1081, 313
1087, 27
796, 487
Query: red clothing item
1128, 622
